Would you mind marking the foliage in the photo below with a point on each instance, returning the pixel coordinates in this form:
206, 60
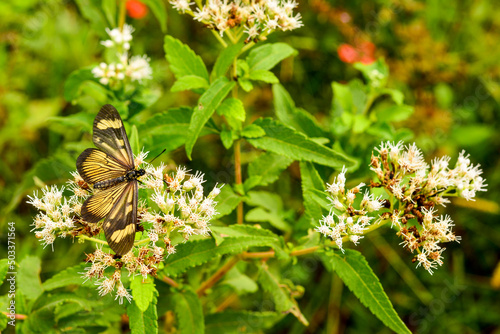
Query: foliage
274, 115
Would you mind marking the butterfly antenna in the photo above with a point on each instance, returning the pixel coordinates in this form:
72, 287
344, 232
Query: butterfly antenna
158, 155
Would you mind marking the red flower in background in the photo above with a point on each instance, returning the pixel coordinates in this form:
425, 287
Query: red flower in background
363, 52
136, 9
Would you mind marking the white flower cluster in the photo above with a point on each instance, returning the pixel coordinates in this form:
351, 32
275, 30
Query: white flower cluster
182, 205
257, 17
344, 222
136, 68
419, 187
436, 180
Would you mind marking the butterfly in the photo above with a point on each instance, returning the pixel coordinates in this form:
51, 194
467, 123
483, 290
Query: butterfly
110, 169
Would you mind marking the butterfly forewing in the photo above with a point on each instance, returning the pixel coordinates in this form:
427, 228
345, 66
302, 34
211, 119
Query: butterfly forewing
110, 136
119, 226
99, 205
96, 166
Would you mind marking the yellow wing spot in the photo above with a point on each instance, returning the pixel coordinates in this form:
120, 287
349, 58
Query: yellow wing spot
119, 235
108, 123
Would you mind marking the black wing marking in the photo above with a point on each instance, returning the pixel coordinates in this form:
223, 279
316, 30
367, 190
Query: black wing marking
97, 206
96, 166
120, 225
110, 136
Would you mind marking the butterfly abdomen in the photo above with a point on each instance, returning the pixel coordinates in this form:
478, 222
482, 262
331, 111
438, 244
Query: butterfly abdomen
109, 183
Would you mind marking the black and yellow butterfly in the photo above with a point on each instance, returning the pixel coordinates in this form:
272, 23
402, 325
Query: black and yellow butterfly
111, 170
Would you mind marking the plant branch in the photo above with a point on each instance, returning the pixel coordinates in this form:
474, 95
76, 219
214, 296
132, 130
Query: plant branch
217, 276
99, 241
170, 281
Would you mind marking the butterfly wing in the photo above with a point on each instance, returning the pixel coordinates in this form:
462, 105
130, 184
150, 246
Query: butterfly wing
100, 204
96, 166
110, 136
120, 225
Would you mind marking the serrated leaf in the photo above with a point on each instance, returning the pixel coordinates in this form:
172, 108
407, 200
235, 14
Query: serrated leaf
109, 9
159, 10
296, 118
263, 75
28, 277
4, 268
74, 81
194, 253
232, 107
227, 201
183, 61
245, 84
265, 57
354, 270
143, 322
237, 322
241, 283
266, 169
249, 236
226, 136
311, 181
394, 113
69, 276
143, 292
167, 130
189, 82
49, 301
207, 104
283, 140
283, 302
187, 308
252, 131
225, 60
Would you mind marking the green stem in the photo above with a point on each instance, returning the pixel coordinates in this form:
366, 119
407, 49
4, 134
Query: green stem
219, 38
99, 241
121, 17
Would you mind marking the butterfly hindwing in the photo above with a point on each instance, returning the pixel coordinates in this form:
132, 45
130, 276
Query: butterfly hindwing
120, 225
96, 166
99, 205
110, 136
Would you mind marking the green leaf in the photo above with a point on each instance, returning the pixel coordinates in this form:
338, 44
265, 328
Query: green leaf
233, 240
109, 9
74, 82
91, 10
207, 104
266, 169
396, 95
225, 60
311, 181
3, 321
284, 140
269, 209
134, 140
242, 284
265, 57
375, 73
189, 82
143, 322
237, 322
49, 301
281, 294
248, 236
143, 292
159, 10
233, 108
394, 113
263, 75
252, 131
258, 215
474, 134
4, 268
69, 276
354, 270
361, 123
226, 136
28, 277
296, 118
167, 130
227, 201
187, 308
183, 61
245, 84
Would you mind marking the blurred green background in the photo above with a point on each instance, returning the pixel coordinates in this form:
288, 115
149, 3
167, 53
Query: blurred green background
444, 56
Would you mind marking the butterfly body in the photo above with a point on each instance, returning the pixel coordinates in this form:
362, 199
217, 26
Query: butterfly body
110, 169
